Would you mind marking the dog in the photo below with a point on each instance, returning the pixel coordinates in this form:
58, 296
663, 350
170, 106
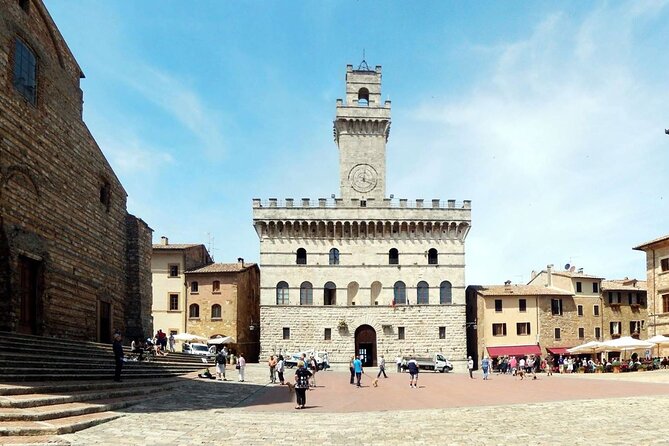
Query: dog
375, 383
291, 387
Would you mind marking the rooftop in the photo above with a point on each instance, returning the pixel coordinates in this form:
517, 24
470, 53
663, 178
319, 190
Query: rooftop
222, 268
624, 285
575, 275
519, 290
175, 245
651, 243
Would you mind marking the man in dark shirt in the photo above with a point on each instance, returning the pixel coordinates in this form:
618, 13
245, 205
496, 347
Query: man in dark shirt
118, 356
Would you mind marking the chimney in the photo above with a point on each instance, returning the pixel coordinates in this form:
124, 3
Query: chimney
533, 274
507, 283
240, 261
549, 275
163, 240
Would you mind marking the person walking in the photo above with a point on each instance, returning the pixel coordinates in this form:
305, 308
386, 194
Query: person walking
118, 356
412, 365
398, 362
271, 363
241, 366
301, 384
221, 360
357, 367
470, 366
172, 342
280, 367
313, 367
485, 366
351, 368
382, 367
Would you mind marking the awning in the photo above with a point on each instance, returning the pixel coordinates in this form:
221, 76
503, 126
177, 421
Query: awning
558, 350
514, 350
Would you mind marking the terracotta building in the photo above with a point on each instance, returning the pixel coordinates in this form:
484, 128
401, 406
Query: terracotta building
73, 262
169, 263
657, 273
224, 299
625, 308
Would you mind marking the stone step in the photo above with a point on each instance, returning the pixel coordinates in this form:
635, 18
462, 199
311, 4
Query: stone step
74, 386
89, 376
33, 440
47, 340
44, 399
57, 426
65, 364
50, 412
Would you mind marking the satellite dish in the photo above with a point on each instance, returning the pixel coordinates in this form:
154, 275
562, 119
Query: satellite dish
566, 267
571, 270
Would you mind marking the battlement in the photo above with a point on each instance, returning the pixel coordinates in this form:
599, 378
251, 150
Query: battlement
388, 203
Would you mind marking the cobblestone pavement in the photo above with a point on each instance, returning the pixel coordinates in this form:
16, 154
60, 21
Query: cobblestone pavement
577, 410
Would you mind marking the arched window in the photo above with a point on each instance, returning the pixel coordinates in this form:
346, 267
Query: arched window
334, 256
400, 293
306, 294
216, 311
432, 257
282, 293
194, 311
330, 294
393, 257
445, 295
25, 72
194, 287
216, 286
422, 293
301, 256
363, 97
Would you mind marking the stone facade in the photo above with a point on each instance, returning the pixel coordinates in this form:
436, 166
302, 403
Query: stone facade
67, 243
370, 262
169, 262
657, 273
228, 304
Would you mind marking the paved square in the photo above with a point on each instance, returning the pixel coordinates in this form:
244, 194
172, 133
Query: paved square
446, 408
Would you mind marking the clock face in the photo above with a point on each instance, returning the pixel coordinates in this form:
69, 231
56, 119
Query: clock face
363, 178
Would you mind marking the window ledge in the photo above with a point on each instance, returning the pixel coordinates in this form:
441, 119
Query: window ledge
215, 292
174, 311
216, 318
194, 318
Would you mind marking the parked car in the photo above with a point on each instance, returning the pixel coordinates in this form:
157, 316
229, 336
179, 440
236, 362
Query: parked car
438, 362
291, 361
199, 349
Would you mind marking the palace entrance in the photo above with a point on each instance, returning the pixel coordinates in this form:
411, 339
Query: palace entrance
29, 295
365, 345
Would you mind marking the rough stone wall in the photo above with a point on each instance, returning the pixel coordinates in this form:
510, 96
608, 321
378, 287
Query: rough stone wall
568, 324
51, 176
248, 311
658, 285
421, 324
138, 279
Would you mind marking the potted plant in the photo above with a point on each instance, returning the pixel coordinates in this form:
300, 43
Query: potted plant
342, 325
581, 369
599, 369
616, 366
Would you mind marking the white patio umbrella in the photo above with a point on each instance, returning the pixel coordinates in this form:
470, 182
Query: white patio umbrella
659, 341
187, 337
220, 340
626, 343
588, 347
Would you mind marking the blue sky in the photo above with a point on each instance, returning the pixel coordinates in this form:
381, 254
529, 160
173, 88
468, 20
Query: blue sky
548, 116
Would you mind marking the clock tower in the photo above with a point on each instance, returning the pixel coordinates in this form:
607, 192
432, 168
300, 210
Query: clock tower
361, 130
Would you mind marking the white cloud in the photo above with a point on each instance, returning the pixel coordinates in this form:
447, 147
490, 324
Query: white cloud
557, 151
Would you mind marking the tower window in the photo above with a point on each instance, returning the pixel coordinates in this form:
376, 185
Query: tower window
330, 294
363, 97
301, 258
393, 257
334, 256
25, 72
423, 293
445, 293
400, 293
216, 311
25, 5
282, 293
306, 294
432, 257
194, 311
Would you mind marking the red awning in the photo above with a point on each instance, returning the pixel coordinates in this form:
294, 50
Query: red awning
514, 350
558, 350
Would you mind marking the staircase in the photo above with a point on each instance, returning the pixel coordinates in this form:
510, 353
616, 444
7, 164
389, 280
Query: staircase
51, 386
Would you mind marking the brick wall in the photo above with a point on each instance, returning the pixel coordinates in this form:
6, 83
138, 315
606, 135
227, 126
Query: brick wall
51, 175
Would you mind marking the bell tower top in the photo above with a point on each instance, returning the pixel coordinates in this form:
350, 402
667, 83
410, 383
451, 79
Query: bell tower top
361, 129
363, 86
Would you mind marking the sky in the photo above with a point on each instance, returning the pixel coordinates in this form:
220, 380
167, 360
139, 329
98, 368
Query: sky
549, 116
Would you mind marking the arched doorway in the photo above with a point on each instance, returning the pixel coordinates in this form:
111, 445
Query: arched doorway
365, 345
